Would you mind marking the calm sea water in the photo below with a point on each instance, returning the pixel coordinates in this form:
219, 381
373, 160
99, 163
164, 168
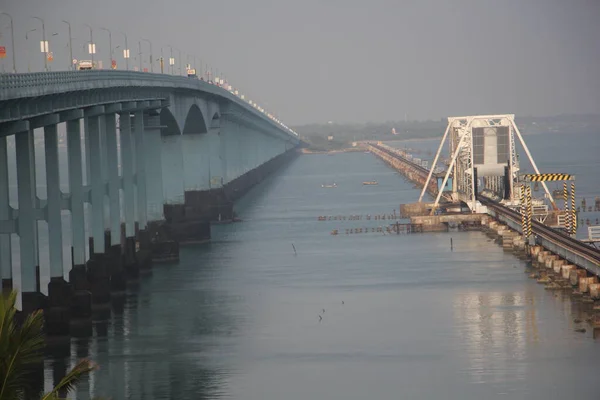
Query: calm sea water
403, 316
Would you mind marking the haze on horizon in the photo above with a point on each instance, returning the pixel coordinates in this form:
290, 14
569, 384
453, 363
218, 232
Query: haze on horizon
349, 60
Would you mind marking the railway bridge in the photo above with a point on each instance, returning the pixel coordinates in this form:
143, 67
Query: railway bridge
485, 177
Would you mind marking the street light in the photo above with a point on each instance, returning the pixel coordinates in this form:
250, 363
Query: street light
150, 58
12, 37
92, 46
171, 59
109, 45
140, 54
162, 62
44, 44
179, 62
72, 66
126, 52
27, 38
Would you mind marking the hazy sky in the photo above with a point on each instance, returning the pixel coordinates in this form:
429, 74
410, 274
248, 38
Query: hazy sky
351, 60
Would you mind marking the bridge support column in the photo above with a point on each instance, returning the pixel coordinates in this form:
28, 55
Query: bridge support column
78, 278
172, 169
97, 266
57, 316
140, 169
127, 168
96, 182
153, 163
31, 297
228, 150
195, 161
114, 259
243, 149
53, 202
261, 149
215, 163
112, 161
143, 256
76, 189
223, 154
5, 215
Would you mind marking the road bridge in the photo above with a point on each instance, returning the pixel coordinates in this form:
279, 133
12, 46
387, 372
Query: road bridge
141, 149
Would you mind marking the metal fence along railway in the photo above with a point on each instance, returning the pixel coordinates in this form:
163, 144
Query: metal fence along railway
559, 239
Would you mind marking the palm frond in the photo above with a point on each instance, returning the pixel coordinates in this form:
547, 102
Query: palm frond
20, 347
68, 383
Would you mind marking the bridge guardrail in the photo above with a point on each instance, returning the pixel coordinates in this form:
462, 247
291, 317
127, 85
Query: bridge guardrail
35, 84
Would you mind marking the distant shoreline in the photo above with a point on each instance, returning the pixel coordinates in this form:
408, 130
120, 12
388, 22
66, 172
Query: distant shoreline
345, 150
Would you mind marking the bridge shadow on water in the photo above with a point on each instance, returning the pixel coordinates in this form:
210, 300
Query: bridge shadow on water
157, 341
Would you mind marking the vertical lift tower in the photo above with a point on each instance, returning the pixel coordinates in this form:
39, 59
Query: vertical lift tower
482, 151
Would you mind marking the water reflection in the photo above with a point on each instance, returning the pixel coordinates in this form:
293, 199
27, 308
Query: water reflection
161, 340
494, 329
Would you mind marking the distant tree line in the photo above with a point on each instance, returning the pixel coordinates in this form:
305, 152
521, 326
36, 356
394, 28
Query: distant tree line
332, 136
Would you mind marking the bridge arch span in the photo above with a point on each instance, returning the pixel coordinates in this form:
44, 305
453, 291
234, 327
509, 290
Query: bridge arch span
195, 121
168, 119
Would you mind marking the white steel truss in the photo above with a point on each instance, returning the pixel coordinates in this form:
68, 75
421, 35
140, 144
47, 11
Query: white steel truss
459, 134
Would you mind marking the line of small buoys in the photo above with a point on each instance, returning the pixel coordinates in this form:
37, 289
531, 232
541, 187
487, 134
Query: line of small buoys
392, 229
350, 231
367, 217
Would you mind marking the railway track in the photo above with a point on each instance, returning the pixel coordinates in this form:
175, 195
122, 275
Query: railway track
548, 233
421, 169
558, 238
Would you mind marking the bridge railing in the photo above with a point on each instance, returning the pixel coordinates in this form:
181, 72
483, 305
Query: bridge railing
27, 85
11, 83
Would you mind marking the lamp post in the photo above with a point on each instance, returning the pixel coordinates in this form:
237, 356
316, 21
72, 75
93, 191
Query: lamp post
44, 46
27, 38
71, 65
162, 62
150, 58
126, 52
109, 46
140, 54
180, 73
12, 38
92, 46
171, 59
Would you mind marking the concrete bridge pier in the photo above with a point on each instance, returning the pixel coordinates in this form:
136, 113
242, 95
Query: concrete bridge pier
172, 171
60, 292
5, 215
158, 239
98, 267
126, 138
143, 254
31, 297
78, 277
216, 163
112, 237
153, 166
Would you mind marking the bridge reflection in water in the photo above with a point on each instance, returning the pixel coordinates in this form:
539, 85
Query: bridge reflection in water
495, 329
